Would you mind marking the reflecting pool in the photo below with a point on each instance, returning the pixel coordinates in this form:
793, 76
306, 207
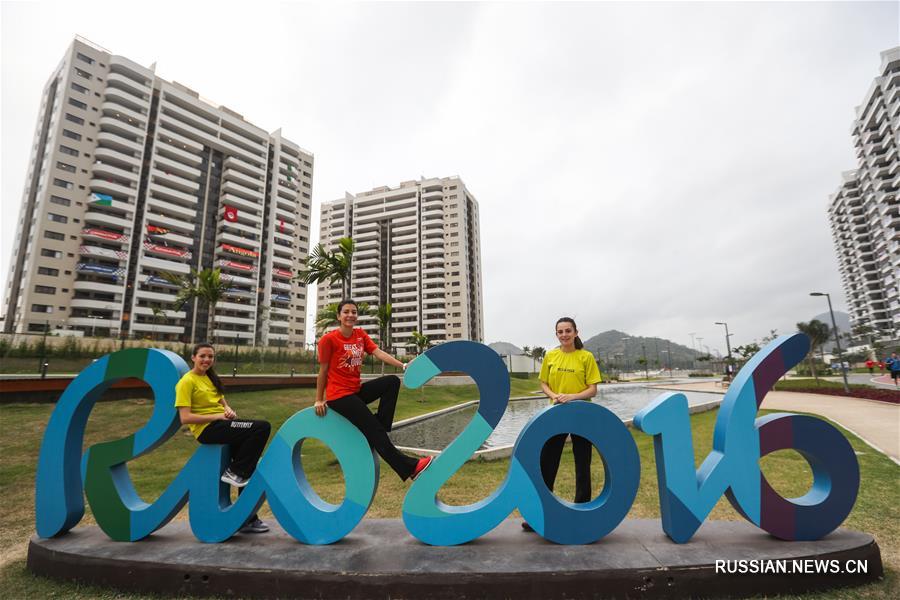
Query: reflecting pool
437, 432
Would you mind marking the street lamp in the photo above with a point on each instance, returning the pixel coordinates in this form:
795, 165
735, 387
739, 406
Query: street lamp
727, 341
625, 339
644, 358
837, 338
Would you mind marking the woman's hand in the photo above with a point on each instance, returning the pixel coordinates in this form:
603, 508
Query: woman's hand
229, 413
321, 407
562, 398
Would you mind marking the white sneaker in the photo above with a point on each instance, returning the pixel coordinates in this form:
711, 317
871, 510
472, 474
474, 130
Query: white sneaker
231, 478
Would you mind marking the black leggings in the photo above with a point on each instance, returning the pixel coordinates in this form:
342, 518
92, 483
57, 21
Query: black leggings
245, 438
583, 451
375, 427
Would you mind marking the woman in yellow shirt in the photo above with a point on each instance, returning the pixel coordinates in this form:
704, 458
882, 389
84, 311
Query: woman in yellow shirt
568, 373
200, 400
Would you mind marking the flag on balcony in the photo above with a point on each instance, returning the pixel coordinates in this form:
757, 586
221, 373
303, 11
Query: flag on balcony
281, 225
154, 230
98, 199
231, 214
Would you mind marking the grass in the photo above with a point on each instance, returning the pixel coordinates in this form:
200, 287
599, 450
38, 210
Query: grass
876, 510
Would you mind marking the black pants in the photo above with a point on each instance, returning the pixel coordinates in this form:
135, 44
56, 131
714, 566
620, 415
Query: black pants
245, 438
375, 427
583, 451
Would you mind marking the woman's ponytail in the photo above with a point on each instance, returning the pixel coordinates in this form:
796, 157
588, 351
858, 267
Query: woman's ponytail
578, 343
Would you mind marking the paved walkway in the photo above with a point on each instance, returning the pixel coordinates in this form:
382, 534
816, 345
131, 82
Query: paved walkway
877, 423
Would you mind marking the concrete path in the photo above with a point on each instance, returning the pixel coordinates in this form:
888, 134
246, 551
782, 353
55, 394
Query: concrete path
876, 423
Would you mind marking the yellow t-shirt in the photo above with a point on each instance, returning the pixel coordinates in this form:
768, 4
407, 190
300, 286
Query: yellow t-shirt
569, 372
199, 394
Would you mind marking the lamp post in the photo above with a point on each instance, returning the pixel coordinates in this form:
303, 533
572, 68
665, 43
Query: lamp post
234, 368
625, 339
837, 338
644, 358
727, 344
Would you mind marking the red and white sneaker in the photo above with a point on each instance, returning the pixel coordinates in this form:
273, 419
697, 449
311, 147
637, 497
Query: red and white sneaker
421, 466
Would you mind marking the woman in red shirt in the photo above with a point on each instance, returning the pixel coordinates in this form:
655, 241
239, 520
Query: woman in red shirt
338, 386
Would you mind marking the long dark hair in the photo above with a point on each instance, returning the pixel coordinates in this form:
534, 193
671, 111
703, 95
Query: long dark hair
210, 372
578, 344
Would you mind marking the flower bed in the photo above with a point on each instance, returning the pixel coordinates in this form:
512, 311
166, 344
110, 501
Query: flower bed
883, 395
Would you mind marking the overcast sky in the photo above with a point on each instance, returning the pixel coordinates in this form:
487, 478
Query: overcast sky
651, 168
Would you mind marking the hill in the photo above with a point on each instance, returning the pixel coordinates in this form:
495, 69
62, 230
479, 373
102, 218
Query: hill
609, 346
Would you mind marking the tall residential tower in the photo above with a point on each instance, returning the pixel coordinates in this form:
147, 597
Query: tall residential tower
865, 210
133, 177
418, 247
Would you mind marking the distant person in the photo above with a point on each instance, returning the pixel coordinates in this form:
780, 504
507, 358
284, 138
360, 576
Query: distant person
568, 373
200, 400
339, 387
893, 364
870, 365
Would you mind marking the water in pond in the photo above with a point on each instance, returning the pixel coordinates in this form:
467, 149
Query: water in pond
436, 433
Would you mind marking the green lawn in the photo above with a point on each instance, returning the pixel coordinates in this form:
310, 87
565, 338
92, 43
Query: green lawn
876, 510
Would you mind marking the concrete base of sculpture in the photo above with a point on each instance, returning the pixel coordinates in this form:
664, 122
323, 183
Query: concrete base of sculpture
379, 559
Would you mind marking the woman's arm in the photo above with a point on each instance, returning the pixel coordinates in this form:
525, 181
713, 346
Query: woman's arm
388, 359
189, 418
589, 392
321, 382
229, 412
550, 393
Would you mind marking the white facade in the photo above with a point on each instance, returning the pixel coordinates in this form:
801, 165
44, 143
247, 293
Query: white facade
865, 211
131, 177
418, 248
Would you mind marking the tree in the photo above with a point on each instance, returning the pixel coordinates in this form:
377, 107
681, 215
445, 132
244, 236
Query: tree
383, 314
538, 353
207, 286
333, 267
420, 341
157, 313
818, 333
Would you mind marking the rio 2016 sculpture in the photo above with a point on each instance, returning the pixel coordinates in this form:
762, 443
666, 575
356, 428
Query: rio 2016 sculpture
686, 496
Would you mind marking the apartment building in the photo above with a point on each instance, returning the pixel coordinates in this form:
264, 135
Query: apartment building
865, 210
418, 247
132, 177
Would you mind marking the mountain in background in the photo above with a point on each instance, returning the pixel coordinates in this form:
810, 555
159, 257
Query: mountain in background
608, 344
505, 349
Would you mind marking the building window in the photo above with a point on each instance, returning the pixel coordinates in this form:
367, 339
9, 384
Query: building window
57, 218
60, 200
71, 134
79, 88
69, 151
41, 308
84, 58
82, 73
77, 103
74, 119
50, 253
44, 289
65, 167
53, 235
48, 271
62, 183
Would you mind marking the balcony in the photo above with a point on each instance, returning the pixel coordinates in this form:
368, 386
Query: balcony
227, 334
106, 139
179, 148
169, 179
170, 223
254, 196
100, 218
250, 321
156, 327
96, 286
117, 81
102, 235
250, 169
95, 251
111, 94
282, 262
167, 252
103, 169
154, 296
159, 264
172, 210
170, 314
124, 159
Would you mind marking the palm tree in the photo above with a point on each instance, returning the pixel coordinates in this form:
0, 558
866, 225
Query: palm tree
333, 267
207, 286
383, 314
420, 341
157, 313
818, 333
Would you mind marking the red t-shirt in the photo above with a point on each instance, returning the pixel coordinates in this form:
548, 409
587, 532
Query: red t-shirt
344, 357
